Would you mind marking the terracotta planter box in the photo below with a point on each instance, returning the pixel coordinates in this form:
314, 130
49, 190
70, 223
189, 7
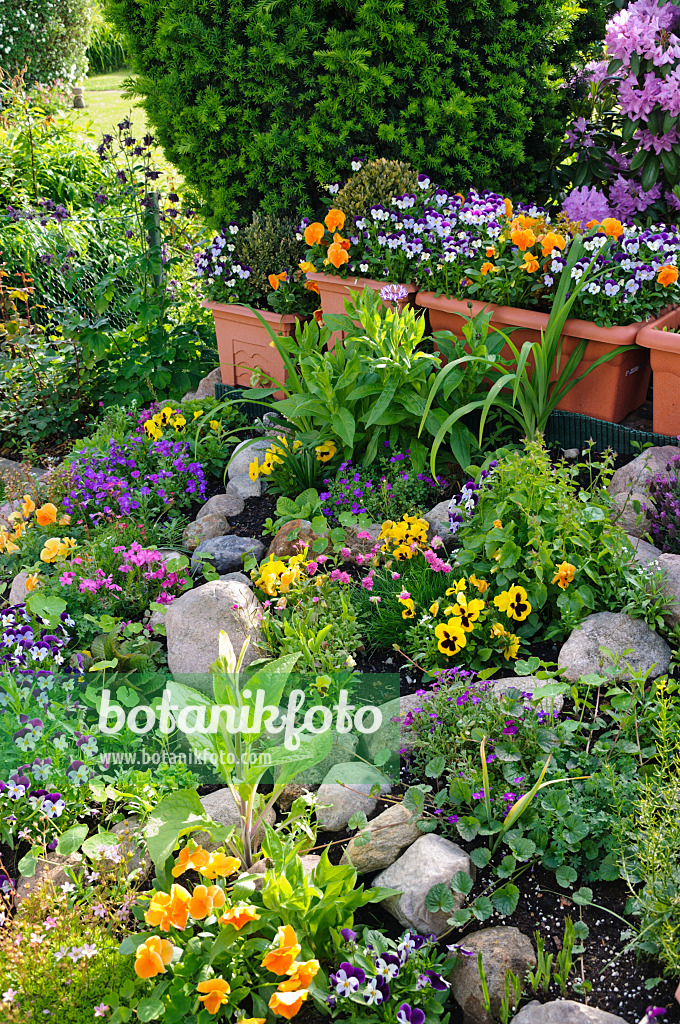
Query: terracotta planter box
333, 291
243, 343
662, 338
610, 392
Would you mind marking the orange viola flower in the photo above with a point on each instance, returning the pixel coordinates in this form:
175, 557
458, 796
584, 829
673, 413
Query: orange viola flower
28, 506
301, 975
487, 268
169, 910
275, 279
197, 859
306, 267
204, 900
46, 514
530, 263
220, 865
612, 227
312, 286
667, 275
239, 916
318, 316
214, 993
314, 233
337, 255
523, 238
552, 241
334, 220
152, 956
287, 1004
279, 959
508, 207
490, 252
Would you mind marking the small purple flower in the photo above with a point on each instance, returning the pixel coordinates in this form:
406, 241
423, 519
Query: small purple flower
408, 1015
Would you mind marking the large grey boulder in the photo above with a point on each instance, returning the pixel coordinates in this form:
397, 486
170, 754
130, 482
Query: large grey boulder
347, 790
391, 833
669, 566
244, 453
243, 487
638, 473
206, 386
194, 620
564, 1011
503, 949
430, 860
227, 552
643, 552
203, 529
618, 632
440, 524
221, 807
625, 515
17, 593
228, 505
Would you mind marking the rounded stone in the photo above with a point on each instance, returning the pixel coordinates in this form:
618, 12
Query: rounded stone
227, 552
209, 526
228, 505
503, 949
581, 655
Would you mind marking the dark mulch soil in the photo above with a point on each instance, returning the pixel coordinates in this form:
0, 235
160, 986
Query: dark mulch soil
252, 519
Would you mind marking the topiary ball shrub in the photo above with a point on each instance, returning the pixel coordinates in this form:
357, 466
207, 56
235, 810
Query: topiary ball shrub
260, 103
376, 184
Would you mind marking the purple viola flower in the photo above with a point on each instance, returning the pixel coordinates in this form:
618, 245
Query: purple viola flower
387, 966
434, 980
347, 979
348, 935
410, 1015
377, 991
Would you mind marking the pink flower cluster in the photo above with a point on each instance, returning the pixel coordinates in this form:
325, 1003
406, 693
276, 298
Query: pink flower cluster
137, 557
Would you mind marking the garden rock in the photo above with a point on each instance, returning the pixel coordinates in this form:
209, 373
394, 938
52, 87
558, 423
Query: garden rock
391, 833
243, 487
363, 545
221, 807
236, 577
440, 524
289, 794
431, 859
244, 453
529, 684
17, 594
206, 387
293, 537
194, 620
670, 567
564, 1011
227, 552
336, 804
624, 515
638, 473
50, 872
617, 631
503, 949
644, 553
228, 505
209, 526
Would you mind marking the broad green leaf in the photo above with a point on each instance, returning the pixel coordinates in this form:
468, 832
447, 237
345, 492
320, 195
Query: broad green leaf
72, 840
439, 898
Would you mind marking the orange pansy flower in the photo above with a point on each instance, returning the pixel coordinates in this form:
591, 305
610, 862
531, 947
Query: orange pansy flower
239, 916
215, 992
314, 233
337, 255
612, 227
523, 238
169, 910
287, 1004
667, 275
508, 207
301, 975
283, 956
197, 859
487, 268
28, 506
312, 286
552, 241
220, 866
46, 514
275, 279
530, 262
334, 220
152, 956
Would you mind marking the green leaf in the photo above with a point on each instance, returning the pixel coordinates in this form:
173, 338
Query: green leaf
72, 840
175, 815
150, 1009
435, 767
29, 863
462, 883
523, 849
482, 908
467, 827
480, 857
565, 876
344, 427
505, 899
440, 897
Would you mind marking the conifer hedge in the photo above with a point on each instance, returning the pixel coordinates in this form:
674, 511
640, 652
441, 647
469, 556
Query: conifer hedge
261, 102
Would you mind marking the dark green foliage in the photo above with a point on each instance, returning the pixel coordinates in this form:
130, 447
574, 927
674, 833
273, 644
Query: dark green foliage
268, 245
377, 182
49, 36
262, 103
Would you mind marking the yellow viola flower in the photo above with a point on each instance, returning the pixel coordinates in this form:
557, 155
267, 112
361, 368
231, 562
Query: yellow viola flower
67, 544
466, 613
254, 469
457, 587
409, 611
514, 603
198, 413
325, 451
451, 637
434, 608
498, 629
179, 422
28, 506
511, 648
564, 575
152, 430
165, 415
215, 425
50, 551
